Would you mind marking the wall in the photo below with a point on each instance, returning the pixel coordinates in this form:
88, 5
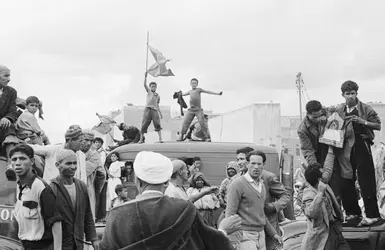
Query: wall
256, 123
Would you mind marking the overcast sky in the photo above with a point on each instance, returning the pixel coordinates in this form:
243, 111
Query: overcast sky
83, 57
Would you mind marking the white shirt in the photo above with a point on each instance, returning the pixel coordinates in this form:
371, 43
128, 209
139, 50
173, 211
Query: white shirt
50, 169
49, 152
256, 185
176, 192
349, 110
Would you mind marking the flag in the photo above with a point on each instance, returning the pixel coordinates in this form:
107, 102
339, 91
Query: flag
103, 128
159, 68
106, 119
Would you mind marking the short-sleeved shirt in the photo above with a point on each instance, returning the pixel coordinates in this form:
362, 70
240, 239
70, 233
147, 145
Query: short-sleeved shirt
176, 191
153, 100
195, 98
35, 213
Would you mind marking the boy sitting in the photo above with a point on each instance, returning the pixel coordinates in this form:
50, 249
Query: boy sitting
196, 109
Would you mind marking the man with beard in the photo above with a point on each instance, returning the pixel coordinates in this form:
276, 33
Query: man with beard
96, 174
8, 114
157, 221
355, 158
176, 185
73, 204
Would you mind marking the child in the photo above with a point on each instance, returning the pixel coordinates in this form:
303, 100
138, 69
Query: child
114, 173
195, 109
128, 172
121, 192
27, 127
151, 111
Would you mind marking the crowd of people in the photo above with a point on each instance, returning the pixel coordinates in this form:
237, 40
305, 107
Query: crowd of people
64, 189
181, 217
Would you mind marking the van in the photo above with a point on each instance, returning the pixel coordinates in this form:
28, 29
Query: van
214, 155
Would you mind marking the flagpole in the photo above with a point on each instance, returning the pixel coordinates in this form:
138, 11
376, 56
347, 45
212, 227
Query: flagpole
148, 38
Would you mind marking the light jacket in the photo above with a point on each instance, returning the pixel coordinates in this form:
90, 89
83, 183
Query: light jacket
317, 217
309, 134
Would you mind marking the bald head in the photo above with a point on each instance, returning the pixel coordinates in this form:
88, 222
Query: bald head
5, 75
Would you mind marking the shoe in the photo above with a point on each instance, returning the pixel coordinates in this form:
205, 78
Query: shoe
365, 222
352, 217
208, 140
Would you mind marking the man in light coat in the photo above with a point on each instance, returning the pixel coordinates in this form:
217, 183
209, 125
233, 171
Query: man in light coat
324, 216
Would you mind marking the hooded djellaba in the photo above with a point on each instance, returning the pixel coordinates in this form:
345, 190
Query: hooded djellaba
156, 221
231, 171
208, 203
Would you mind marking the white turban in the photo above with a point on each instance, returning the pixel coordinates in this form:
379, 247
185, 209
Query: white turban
153, 168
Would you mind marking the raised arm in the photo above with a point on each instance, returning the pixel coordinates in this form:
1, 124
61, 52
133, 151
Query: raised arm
185, 93
145, 82
328, 165
211, 92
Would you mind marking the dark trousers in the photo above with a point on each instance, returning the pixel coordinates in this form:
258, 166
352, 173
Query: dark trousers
189, 117
362, 162
336, 240
148, 116
101, 203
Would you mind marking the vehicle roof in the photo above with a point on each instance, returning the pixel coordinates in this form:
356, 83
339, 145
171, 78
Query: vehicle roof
191, 147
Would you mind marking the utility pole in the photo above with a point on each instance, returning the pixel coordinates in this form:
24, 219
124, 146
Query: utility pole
299, 84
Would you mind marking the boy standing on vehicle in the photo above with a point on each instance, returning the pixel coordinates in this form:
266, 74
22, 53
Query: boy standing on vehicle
356, 156
152, 111
196, 109
38, 219
309, 132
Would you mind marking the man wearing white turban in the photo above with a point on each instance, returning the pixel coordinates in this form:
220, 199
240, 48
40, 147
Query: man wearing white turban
156, 221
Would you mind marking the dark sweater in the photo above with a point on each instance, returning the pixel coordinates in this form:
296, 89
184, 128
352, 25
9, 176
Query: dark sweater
248, 203
159, 222
75, 225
